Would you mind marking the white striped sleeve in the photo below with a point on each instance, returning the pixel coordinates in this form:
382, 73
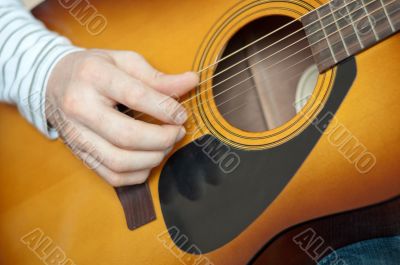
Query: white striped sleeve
28, 53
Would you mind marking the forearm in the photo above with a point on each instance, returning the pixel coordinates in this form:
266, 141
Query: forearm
28, 53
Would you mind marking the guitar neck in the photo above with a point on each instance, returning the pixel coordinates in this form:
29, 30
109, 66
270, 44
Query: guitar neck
342, 28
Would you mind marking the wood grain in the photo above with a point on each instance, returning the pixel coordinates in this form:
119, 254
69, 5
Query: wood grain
138, 204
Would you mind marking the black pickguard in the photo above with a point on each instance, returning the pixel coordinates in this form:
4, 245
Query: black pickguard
211, 207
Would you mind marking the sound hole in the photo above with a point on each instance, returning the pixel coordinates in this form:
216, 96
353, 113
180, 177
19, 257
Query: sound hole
267, 89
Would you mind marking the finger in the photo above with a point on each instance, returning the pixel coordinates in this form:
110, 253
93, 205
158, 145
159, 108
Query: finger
135, 65
124, 179
120, 160
136, 95
117, 179
127, 133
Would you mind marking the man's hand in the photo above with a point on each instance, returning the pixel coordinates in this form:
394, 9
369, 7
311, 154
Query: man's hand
86, 86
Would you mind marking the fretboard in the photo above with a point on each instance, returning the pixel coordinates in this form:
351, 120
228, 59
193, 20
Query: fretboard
342, 28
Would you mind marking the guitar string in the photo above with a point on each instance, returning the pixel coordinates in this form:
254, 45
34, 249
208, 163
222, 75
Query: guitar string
248, 89
309, 57
269, 34
277, 30
277, 52
287, 67
325, 38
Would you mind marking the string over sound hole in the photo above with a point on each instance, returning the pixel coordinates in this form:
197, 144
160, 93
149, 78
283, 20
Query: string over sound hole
267, 83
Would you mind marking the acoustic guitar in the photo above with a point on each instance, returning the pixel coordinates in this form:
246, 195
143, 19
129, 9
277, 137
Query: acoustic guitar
292, 137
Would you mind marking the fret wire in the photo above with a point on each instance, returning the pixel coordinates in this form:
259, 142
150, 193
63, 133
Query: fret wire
343, 19
387, 15
370, 21
382, 27
327, 39
309, 57
283, 59
340, 32
323, 29
352, 23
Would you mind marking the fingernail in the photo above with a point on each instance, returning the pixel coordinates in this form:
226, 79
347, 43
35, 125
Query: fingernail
181, 117
181, 134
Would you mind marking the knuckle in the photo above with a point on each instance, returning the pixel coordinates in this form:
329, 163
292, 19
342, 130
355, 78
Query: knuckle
168, 140
133, 56
120, 141
115, 163
157, 159
71, 104
87, 69
139, 90
141, 178
157, 75
134, 93
97, 117
125, 138
115, 180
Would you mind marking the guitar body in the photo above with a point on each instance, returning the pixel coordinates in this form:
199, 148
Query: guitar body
293, 173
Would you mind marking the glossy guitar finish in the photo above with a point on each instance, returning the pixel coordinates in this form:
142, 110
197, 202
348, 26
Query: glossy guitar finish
44, 186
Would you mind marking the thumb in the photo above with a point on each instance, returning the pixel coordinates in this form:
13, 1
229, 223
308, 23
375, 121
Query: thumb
171, 85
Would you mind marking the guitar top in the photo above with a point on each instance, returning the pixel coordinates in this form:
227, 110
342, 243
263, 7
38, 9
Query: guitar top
294, 126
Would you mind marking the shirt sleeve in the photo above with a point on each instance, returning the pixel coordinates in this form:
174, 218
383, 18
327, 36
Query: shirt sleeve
28, 53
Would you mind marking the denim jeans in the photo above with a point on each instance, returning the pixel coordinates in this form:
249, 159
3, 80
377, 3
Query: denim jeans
378, 251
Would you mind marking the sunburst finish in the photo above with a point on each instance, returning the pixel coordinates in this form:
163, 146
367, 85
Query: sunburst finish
44, 186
